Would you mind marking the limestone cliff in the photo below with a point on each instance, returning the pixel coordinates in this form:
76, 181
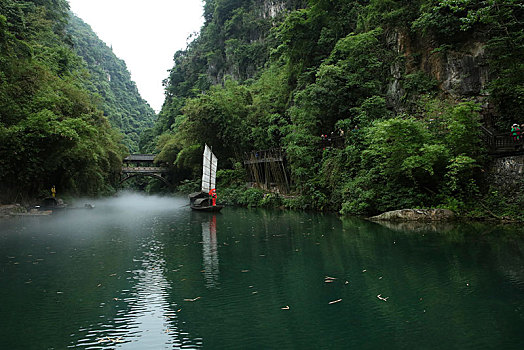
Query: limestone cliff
458, 73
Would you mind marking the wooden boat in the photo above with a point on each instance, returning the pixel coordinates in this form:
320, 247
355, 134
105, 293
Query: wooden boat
205, 200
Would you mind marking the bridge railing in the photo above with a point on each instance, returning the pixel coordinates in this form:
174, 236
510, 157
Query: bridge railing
263, 156
144, 169
501, 142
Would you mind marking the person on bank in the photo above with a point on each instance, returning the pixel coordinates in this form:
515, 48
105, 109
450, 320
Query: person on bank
515, 132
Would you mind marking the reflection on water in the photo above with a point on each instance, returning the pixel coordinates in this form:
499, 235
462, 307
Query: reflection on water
210, 251
414, 226
147, 273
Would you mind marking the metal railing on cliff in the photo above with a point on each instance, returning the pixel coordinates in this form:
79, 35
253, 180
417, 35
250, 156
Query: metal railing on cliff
501, 143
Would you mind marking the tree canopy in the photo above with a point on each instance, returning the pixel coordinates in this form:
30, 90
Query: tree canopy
54, 107
280, 74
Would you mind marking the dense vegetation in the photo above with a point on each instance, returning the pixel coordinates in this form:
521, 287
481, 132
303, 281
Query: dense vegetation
265, 74
388, 76
109, 78
52, 126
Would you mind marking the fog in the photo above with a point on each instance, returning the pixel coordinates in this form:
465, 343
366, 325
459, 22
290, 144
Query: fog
108, 264
133, 201
129, 212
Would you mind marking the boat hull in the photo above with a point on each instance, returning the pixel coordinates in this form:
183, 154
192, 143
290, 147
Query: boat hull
202, 201
207, 208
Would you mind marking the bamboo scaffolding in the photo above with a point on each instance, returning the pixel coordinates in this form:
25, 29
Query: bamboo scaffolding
267, 170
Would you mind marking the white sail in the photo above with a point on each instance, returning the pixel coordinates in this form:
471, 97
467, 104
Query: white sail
209, 170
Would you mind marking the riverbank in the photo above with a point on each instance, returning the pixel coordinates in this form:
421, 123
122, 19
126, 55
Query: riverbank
258, 198
489, 208
7, 210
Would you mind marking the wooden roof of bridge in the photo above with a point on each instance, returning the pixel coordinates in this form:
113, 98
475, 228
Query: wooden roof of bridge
140, 158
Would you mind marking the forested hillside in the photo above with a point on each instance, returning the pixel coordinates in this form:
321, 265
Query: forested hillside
109, 78
407, 83
52, 125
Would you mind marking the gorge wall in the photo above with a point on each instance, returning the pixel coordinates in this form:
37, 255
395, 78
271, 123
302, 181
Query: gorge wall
506, 174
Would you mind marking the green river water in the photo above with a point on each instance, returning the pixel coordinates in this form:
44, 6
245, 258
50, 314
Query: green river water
142, 272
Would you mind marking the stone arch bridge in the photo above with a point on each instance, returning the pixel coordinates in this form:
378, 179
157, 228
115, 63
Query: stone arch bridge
142, 165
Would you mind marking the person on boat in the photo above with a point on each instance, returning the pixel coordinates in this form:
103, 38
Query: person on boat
213, 194
515, 132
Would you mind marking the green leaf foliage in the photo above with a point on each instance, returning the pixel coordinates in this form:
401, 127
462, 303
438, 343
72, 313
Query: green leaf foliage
108, 77
51, 131
374, 76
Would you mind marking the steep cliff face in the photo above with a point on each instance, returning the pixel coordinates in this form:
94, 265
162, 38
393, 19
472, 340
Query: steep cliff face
242, 47
408, 77
234, 42
122, 104
272, 8
458, 73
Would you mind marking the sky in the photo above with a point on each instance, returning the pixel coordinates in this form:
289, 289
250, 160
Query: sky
145, 34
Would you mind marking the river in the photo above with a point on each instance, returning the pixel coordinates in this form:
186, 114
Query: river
141, 272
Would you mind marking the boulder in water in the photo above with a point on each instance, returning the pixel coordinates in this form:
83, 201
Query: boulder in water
415, 215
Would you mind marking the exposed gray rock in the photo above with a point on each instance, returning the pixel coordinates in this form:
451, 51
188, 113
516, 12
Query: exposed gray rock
7, 210
416, 215
271, 8
465, 74
506, 174
461, 72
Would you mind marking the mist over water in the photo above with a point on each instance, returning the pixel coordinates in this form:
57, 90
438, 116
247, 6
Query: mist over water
133, 202
145, 272
104, 279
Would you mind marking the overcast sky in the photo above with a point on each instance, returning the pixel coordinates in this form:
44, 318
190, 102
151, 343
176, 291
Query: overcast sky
145, 34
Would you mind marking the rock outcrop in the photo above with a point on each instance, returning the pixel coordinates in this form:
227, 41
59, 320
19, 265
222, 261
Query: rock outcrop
415, 215
9, 209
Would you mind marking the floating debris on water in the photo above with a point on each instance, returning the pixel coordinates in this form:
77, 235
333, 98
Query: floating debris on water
194, 299
110, 340
382, 298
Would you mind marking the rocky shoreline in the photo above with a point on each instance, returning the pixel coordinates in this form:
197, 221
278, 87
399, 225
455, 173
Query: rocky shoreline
11, 209
416, 215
